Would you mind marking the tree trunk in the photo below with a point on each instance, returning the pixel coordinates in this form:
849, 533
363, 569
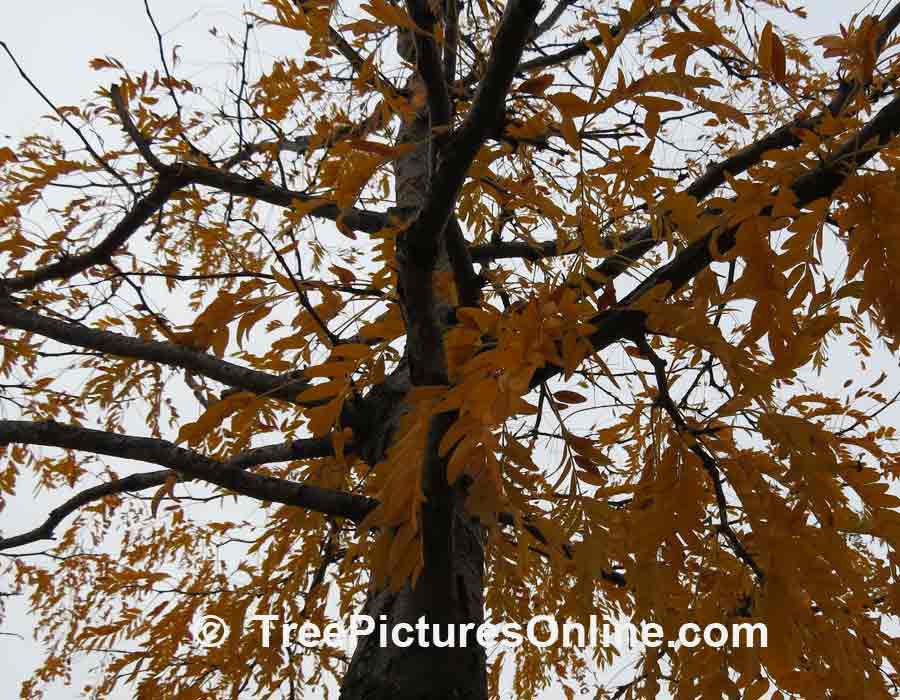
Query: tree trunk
446, 596
389, 672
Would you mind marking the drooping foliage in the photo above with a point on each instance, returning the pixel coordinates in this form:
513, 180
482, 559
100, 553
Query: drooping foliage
623, 274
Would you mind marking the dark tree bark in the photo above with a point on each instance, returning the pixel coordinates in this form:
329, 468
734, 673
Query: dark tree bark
393, 673
453, 542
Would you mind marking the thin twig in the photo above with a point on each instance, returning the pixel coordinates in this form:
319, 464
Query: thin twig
90, 149
664, 399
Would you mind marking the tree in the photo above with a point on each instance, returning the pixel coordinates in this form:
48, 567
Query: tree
571, 342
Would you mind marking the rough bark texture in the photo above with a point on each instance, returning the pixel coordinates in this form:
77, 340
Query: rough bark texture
392, 673
450, 589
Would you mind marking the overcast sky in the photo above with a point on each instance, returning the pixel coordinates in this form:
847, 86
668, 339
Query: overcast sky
54, 40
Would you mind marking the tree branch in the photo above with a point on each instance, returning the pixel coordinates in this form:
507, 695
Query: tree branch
165, 353
551, 19
135, 482
815, 184
621, 321
429, 64
298, 449
71, 265
176, 177
639, 241
303, 448
488, 252
356, 219
230, 475
468, 282
422, 241
583, 47
133, 132
706, 458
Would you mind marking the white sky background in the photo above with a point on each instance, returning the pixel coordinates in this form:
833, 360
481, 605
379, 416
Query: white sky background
54, 40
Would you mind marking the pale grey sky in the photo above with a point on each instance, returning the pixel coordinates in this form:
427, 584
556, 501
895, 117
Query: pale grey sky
54, 40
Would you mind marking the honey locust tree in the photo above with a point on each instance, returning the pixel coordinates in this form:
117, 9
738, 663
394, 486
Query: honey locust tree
486, 310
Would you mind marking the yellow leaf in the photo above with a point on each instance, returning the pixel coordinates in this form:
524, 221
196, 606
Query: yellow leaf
456, 432
322, 391
323, 418
779, 61
478, 318
386, 151
339, 441
301, 207
464, 459
343, 274
249, 319
359, 171
658, 104
408, 564
771, 54
330, 369
566, 396
586, 448
391, 14
651, 124
536, 85
571, 105
570, 133
165, 490
386, 330
193, 433
353, 351
402, 539
723, 111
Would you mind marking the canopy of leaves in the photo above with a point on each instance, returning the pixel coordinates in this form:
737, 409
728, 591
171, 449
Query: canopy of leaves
620, 271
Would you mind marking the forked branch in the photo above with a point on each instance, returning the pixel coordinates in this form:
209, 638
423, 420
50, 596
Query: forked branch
183, 463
